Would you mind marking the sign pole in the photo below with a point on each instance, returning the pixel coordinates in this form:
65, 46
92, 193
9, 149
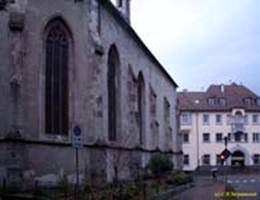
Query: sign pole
77, 174
77, 142
226, 142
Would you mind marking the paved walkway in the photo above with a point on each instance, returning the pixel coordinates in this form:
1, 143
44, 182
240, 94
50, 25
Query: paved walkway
205, 189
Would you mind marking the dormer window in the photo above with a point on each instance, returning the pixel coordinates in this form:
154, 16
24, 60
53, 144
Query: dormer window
222, 101
258, 101
247, 101
211, 101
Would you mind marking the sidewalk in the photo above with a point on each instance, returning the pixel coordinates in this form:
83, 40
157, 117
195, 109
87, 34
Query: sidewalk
205, 189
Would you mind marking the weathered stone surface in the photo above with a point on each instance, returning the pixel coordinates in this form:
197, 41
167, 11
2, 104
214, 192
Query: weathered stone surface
94, 27
16, 21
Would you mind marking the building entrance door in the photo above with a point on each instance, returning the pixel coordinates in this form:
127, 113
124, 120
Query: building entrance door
238, 159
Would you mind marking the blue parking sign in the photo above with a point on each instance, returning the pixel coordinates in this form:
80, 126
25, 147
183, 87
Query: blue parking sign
77, 140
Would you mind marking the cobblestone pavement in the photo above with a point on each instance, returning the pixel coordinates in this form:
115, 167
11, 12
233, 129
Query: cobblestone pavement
205, 189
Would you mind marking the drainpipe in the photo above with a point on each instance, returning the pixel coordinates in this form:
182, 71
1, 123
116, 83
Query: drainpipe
197, 136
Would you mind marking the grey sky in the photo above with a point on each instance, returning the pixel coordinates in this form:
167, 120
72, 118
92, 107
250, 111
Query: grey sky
201, 42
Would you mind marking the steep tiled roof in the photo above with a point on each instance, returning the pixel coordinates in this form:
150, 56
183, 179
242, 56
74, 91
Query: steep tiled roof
234, 96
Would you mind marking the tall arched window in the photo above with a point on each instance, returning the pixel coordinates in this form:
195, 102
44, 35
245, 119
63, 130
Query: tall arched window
112, 83
56, 85
141, 100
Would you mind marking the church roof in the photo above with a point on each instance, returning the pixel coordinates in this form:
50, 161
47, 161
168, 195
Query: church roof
121, 20
219, 98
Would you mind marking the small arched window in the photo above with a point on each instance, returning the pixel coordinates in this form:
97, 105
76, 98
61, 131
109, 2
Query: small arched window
141, 102
56, 78
113, 86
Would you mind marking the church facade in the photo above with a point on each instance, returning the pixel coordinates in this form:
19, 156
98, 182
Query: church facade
79, 63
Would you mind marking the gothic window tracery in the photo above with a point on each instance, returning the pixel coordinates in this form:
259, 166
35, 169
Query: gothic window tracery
56, 78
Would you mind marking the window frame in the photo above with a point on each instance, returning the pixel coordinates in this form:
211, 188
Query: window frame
59, 90
246, 137
222, 101
229, 137
203, 138
221, 119
258, 102
188, 136
219, 141
256, 138
218, 160
211, 101
113, 93
188, 116
246, 119
248, 101
141, 106
203, 119
186, 159
256, 157
257, 119
237, 137
206, 157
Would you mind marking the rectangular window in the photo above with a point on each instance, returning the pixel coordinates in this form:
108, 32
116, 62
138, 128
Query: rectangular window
222, 101
206, 119
255, 119
218, 160
186, 138
256, 137
218, 119
237, 137
186, 159
245, 137
186, 118
219, 137
247, 101
256, 159
246, 119
258, 102
206, 159
229, 137
211, 101
229, 119
206, 137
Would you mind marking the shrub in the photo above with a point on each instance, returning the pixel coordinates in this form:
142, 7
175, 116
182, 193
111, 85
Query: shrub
64, 185
160, 164
180, 178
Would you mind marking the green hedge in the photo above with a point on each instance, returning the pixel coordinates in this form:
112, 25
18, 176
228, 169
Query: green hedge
160, 164
179, 178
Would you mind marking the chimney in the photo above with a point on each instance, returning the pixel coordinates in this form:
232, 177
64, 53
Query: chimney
222, 88
124, 7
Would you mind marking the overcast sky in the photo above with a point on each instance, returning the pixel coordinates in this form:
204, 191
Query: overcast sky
201, 42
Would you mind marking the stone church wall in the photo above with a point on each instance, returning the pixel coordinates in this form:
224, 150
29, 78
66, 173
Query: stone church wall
27, 152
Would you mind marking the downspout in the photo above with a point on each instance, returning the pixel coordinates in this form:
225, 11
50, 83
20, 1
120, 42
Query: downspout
198, 139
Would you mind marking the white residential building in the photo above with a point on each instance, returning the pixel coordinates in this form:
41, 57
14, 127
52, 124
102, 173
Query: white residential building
231, 111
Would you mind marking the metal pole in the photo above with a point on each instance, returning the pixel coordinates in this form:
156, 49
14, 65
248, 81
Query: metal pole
225, 163
225, 174
77, 175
